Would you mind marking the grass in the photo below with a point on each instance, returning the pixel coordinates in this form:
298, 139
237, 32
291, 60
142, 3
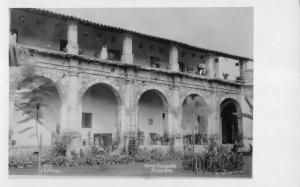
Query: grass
133, 170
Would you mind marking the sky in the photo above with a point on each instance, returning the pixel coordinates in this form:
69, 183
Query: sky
224, 29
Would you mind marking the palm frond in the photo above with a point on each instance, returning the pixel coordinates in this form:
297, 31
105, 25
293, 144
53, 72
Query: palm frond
24, 130
247, 116
248, 102
28, 118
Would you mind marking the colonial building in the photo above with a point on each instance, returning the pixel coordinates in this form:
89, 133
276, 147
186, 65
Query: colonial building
108, 82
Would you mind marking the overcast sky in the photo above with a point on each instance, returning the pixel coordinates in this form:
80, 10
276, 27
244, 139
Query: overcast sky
225, 29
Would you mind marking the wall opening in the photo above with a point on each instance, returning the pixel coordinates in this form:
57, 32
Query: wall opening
194, 119
230, 120
100, 116
152, 118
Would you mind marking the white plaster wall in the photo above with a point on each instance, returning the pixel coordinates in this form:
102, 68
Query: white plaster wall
228, 66
151, 106
101, 102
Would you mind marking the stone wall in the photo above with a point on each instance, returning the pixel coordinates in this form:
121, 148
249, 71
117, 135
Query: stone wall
74, 76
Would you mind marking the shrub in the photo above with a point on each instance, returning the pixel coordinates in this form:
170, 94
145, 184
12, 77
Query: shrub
172, 155
120, 159
142, 156
132, 146
58, 161
28, 161
115, 143
215, 158
61, 161
157, 154
59, 147
96, 150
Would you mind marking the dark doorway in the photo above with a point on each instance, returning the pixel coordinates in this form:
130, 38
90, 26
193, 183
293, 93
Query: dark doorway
63, 45
230, 123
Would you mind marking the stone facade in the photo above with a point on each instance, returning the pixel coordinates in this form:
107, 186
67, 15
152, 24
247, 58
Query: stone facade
74, 74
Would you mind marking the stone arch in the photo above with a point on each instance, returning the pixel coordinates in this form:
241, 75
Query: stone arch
230, 118
194, 118
100, 104
203, 94
158, 89
89, 83
152, 107
45, 79
57, 77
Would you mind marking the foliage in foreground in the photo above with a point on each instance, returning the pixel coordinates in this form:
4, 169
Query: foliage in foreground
94, 158
215, 158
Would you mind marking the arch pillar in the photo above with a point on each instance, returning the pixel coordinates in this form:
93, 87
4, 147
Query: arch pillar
213, 117
128, 112
175, 116
70, 109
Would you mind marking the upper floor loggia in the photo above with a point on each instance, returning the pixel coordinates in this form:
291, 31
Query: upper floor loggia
56, 32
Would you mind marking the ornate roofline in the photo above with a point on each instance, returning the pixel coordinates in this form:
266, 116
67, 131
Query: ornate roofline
121, 30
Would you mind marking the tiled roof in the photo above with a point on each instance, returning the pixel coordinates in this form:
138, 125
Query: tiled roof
121, 30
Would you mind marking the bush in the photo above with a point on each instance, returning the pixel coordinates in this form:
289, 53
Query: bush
59, 147
215, 158
142, 156
57, 161
132, 146
61, 161
158, 155
96, 150
28, 161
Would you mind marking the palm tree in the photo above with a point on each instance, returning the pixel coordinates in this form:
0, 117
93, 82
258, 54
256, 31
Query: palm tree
30, 100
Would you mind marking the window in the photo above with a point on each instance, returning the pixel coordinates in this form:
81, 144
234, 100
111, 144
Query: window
154, 62
86, 120
63, 45
114, 54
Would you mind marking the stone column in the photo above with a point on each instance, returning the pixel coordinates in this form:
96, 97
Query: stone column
173, 58
242, 64
213, 117
72, 46
127, 56
217, 67
128, 110
174, 119
70, 116
210, 64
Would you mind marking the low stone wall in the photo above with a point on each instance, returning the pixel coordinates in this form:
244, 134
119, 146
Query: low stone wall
27, 150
